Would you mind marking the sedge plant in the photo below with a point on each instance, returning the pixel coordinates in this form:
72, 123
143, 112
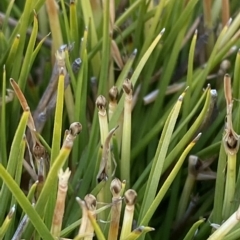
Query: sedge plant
149, 94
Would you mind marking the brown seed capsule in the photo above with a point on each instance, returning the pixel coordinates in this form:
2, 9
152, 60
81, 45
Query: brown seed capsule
39, 151
127, 86
75, 128
113, 94
130, 197
101, 103
91, 202
116, 187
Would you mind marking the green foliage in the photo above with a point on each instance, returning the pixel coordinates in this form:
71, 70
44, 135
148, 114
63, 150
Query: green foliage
170, 62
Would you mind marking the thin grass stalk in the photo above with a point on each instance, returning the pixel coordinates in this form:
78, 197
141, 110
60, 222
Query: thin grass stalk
96, 227
26, 66
104, 71
74, 30
235, 234
19, 160
81, 104
70, 69
168, 67
219, 188
193, 229
231, 145
7, 14
21, 29
186, 104
183, 142
132, 8
5, 225
3, 129
65, 19
12, 53
233, 26
225, 12
126, 134
91, 204
159, 157
115, 188
60, 202
88, 19
84, 219
190, 133
230, 185
57, 130
134, 77
201, 78
126, 69
236, 83
25, 204
207, 6
154, 23
11, 167
31, 191
187, 190
152, 208
130, 197
37, 48
52, 10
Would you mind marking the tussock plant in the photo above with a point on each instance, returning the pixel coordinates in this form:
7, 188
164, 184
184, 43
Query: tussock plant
149, 94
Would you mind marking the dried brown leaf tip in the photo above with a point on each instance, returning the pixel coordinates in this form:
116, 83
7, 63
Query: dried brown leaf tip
63, 178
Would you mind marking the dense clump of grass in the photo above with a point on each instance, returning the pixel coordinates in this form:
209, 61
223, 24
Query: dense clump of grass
140, 86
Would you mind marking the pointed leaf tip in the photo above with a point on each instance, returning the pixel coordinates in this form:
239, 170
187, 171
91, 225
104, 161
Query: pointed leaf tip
197, 137
134, 52
162, 32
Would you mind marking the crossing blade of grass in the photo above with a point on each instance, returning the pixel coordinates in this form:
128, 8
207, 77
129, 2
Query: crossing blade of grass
12, 53
3, 139
219, 189
155, 203
12, 165
190, 133
134, 78
193, 229
52, 10
7, 221
25, 204
160, 156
